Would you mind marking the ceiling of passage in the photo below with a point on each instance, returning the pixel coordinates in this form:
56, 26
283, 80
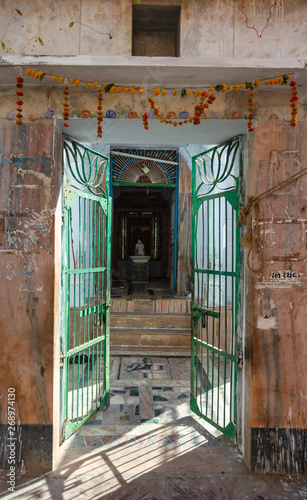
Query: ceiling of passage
125, 131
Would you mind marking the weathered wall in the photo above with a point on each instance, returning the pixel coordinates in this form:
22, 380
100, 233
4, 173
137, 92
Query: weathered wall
39, 103
276, 303
211, 29
28, 196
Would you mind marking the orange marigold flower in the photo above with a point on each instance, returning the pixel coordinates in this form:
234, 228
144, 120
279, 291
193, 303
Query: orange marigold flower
28, 72
141, 91
237, 87
163, 91
77, 83
174, 92
230, 88
54, 78
66, 124
243, 86
188, 92
61, 79
95, 85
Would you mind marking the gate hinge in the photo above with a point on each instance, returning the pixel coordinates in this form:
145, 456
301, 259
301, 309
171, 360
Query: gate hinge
61, 360
240, 359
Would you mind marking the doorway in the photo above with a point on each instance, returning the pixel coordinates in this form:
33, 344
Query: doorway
137, 221
145, 208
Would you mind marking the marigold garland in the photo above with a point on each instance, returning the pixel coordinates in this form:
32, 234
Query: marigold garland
145, 121
250, 110
200, 108
293, 100
19, 102
66, 105
99, 114
206, 97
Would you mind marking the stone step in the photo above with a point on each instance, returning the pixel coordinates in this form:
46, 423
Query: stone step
149, 337
154, 321
165, 305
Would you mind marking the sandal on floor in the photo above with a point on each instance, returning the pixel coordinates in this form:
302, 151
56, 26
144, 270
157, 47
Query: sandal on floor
147, 360
135, 366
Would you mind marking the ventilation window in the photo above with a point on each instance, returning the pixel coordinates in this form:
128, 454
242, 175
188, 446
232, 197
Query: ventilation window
156, 30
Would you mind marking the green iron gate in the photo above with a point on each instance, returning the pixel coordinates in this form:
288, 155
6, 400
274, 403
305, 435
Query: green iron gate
85, 285
216, 258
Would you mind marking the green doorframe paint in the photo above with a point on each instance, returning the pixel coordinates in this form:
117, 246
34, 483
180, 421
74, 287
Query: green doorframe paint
217, 292
174, 184
86, 285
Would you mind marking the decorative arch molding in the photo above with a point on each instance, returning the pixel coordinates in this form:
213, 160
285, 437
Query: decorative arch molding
144, 166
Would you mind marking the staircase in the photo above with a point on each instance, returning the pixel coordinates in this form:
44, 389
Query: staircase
140, 324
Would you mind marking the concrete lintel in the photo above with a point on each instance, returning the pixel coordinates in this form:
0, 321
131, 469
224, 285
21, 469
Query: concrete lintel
152, 71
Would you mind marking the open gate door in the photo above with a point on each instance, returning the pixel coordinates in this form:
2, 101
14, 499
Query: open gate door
216, 175
85, 285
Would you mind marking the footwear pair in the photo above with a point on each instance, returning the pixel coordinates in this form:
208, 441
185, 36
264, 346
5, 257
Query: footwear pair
138, 366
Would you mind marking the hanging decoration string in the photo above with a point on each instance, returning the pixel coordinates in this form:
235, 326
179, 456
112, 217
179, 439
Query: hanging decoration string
250, 212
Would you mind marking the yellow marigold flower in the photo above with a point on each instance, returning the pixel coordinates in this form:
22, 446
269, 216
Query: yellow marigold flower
162, 120
132, 90
54, 78
230, 88
174, 92
112, 89
243, 86
95, 85
77, 83
237, 87
28, 72
224, 88
280, 80
211, 90
141, 91
71, 81
61, 79
188, 93
119, 89
126, 90
33, 73
88, 85
163, 91
156, 91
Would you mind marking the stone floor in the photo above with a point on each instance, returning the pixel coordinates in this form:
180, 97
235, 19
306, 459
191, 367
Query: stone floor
148, 445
